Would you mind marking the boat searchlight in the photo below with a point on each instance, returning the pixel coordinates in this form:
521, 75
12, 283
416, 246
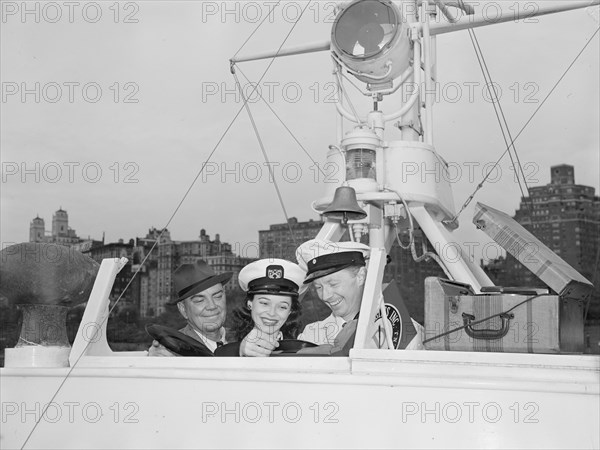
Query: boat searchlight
370, 38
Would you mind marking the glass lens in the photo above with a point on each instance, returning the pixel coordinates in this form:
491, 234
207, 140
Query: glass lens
360, 163
364, 28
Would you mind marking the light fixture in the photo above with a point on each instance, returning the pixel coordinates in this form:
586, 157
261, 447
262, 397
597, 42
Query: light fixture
370, 39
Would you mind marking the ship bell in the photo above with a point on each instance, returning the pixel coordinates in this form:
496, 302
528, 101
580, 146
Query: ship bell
344, 206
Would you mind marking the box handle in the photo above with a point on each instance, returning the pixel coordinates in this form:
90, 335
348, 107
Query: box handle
487, 334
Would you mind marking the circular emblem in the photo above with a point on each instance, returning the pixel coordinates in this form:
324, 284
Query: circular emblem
395, 321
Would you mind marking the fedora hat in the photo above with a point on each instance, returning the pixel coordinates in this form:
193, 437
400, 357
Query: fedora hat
189, 279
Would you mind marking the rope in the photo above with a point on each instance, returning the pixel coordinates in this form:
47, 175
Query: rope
496, 101
160, 235
286, 127
264, 152
480, 185
481, 320
256, 29
245, 105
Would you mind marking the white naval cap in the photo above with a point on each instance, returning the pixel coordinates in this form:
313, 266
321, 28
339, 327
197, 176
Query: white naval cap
272, 276
320, 257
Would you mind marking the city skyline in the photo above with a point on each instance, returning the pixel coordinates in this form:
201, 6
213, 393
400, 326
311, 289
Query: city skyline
250, 249
39, 233
134, 152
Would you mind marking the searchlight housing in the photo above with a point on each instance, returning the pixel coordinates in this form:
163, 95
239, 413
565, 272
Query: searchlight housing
370, 38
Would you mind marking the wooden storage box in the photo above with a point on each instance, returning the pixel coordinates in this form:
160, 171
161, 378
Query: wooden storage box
525, 322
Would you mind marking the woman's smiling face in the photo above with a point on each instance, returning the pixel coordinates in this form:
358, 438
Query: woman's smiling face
269, 311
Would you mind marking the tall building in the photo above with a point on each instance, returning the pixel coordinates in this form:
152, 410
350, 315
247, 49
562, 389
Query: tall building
276, 242
60, 224
146, 252
566, 217
60, 234
37, 230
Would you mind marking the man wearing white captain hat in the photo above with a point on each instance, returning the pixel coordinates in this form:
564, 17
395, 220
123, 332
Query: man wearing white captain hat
338, 273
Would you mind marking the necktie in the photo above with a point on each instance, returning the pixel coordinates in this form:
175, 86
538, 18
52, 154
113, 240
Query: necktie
220, 344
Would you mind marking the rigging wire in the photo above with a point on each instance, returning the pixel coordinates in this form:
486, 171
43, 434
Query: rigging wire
247, 107
256, 29
264, 152
89, 341
133, 276
285, 126
480, 185
165, 227
503, 124
496, 100
485, 319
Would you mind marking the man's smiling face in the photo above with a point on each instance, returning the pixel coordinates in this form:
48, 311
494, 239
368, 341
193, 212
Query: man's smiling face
206, 310
342, 291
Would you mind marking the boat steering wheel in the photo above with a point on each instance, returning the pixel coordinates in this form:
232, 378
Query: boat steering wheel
287, 347
177, 342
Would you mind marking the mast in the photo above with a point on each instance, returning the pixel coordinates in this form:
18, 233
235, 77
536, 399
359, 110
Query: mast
390, 48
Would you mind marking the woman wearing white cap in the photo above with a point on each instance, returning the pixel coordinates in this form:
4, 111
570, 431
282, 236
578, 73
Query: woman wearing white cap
271, 309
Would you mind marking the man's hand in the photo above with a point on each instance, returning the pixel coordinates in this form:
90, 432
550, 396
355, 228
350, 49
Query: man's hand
344, 341
257, 344
341, 345
158, 350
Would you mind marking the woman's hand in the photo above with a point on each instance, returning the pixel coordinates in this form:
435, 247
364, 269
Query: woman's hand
158, 350
257, 343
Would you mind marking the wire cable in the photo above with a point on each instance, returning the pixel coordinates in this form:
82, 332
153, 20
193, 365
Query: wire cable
246, 106
316, 164
256, 29
543, 102
500, 112
481, 320
264, 152
163, 230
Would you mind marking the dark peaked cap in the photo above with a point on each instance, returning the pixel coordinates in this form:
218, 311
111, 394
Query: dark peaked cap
320, 257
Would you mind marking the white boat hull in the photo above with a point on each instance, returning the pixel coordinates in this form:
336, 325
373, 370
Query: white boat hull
374, 398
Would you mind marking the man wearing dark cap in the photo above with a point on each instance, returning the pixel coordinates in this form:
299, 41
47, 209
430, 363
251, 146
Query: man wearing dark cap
338, 273
200, 299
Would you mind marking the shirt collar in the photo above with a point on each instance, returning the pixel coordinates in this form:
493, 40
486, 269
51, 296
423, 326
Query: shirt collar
209, 342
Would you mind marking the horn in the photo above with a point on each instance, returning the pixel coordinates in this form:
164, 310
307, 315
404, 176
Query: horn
344, 206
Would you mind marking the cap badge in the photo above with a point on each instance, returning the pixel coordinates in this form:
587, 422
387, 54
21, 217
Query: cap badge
275, 272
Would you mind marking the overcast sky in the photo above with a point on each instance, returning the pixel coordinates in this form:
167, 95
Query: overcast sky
122, 109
